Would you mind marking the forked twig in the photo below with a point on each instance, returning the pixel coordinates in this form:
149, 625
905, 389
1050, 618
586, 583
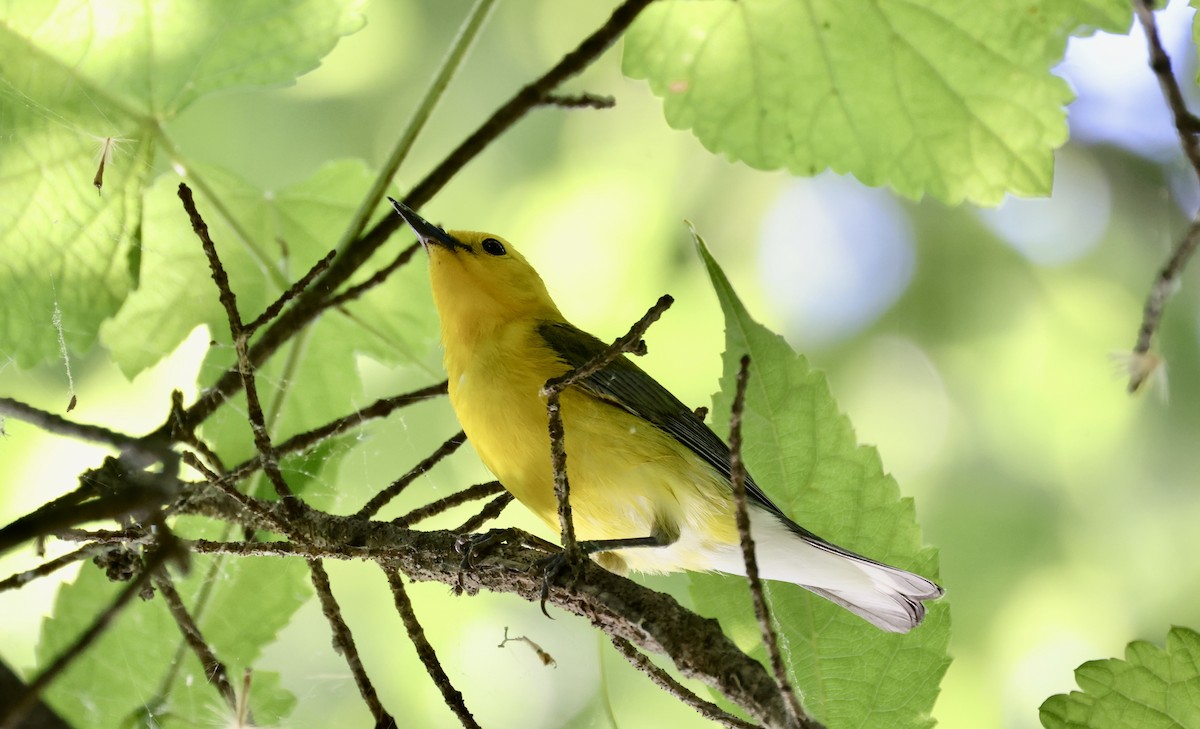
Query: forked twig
1143, 363
258, 425
630, 343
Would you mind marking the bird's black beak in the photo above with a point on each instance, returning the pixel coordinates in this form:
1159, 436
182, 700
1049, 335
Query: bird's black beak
428, 233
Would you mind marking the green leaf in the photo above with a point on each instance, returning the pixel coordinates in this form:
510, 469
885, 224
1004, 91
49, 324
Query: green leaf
122, 674
955, 100
266, 240
79, 74
803, 452
1151, 688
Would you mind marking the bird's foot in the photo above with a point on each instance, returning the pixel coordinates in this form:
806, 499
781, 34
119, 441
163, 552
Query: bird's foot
554, 565
474, 547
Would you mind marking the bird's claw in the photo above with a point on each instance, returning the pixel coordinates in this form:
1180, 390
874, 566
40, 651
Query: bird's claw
475, 546
551, 567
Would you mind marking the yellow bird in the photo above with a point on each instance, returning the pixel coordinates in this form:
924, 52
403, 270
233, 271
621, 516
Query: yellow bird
650, 486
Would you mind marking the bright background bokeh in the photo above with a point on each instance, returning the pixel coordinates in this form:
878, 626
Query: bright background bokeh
972, 347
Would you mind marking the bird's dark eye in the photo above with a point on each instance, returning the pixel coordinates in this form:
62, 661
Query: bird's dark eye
493, 246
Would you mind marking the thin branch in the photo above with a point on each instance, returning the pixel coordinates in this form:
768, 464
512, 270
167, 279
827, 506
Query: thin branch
629, 343
632, 343
579, 101
59, 425
115, 490
1165, 283
10, 718
393, 490
651, 620
245, 368
376, 278
343, 643
1188, 126
225, 294
106, 537
489, 512
562, 485
452, 696
21, 579
737, 479
467, 495
467, 33
252, 505
292, 292
379, 409
214, 669
308, 305
667, 682
181, 433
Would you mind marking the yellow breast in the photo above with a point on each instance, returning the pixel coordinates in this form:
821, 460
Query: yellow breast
628, 478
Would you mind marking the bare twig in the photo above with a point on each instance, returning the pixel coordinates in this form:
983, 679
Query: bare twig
630, 342
252, 505
59, 425
433, 508
579, 101
651, 620
308, 305
1188, 127
542, 654
489, 512
21, 579
117, 489
452, 696
667, 682
214, 669
245, 368
562, 485
293, 291
11, 716
301, 441
343, 643
181, 433
737, 479
376, 278
393, 490
1186, 124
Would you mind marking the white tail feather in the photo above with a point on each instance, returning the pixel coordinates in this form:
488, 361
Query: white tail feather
887, 597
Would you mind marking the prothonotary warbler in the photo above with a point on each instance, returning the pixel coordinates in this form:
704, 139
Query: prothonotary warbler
644, 468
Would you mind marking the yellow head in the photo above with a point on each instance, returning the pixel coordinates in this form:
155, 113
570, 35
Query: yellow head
480, 282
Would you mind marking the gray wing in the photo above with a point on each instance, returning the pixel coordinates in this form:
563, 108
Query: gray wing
623, 384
